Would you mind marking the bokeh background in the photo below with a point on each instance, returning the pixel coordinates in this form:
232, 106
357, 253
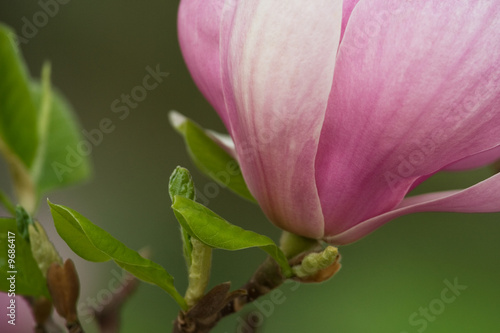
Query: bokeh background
99, 50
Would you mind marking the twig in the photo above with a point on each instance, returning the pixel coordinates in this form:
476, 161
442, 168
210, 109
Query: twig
311, 266
267, 277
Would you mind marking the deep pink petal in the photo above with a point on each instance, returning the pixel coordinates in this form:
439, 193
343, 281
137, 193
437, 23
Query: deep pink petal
416, 88
278, 59
483, 197
199, 35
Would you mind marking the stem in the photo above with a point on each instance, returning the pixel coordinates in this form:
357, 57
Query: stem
24, 187
293, 245
43, 123
199, 271
267, 277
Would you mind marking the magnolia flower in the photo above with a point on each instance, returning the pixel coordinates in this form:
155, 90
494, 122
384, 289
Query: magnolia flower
338, 109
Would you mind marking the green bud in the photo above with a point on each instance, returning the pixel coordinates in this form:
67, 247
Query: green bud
181, 184
43, 250
315, 262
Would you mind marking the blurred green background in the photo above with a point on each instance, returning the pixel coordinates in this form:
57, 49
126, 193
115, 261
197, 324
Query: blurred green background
99, 50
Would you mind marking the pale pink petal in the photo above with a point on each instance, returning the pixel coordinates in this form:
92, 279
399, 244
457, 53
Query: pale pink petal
476, 161
347, 8
416, 87
199, 34
278, 59
483, 197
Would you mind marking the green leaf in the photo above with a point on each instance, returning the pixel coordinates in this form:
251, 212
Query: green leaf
209, 157
181, 183
29, 278
18, 116
59, 161
39, 136
94, 244
214, 231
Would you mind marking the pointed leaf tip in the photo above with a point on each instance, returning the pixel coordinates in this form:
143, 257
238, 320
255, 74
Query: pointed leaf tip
210, 157
176, 119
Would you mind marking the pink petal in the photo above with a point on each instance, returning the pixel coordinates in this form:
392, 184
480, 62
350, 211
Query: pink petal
199, 34
347, 8
471, 162
416, 88
476, 161
278, 60
483, 197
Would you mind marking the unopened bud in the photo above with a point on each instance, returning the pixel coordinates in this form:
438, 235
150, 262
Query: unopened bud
318, 267
64, 288
43, 250
181, 183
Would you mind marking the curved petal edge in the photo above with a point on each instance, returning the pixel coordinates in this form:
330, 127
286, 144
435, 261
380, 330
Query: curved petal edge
484, 197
